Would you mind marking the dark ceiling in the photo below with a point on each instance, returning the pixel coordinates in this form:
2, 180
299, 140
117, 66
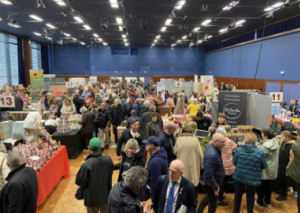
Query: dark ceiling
152, 12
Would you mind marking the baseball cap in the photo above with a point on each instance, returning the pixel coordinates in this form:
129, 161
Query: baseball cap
153, 140
95, 142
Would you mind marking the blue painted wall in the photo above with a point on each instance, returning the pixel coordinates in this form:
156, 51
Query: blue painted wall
278, 54
80, 60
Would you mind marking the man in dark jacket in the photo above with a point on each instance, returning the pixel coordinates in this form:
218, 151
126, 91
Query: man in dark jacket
123, 197
167, 140
88, 125
157, 165
137, 106
103, 122
125, 105
132, 132
18, 104
146, 105
21, 191
132, 116
146, 118
214, 173
78, 102
203, 122
96, 183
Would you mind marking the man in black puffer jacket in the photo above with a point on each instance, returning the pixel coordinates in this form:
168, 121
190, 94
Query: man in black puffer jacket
103, 122
78, 102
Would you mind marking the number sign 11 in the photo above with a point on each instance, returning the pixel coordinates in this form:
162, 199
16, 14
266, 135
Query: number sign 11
276, 97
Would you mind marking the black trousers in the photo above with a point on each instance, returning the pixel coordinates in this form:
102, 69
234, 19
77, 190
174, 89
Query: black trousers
298, 198
223, 187
264, 192
210, 199
240, 188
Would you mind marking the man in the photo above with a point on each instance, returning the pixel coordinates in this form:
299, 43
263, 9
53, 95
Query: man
133, 116
30, 125
159, 99
132, 133
157, 165
174, 191
18, 103
96, 183
146, 105
21, 191
125, 105
137, 106
123, 197
64, 96
103, 122
88, 125
78, 102
168, 140
146, 118
202, 121
110, 98
214, 173
40, 106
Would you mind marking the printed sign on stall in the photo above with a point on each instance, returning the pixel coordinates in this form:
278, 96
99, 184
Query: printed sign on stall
93, 79
162, 80
215, 97
70, 85
277, 97
7, 101
178, 84
206, 78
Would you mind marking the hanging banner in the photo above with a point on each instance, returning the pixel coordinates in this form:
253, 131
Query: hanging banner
206, 78
37, 79
161, 88
233, 105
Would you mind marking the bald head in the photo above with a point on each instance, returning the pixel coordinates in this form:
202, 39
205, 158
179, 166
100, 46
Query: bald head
176, 170
178, 164
218, 140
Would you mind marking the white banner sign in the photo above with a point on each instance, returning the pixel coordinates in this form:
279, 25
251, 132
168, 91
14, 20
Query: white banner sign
70, 85
93, 79
206, 78
7, 101
215, 97
277, 97
162, 80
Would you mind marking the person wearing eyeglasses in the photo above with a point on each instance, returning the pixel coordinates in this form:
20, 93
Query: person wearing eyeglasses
173, 192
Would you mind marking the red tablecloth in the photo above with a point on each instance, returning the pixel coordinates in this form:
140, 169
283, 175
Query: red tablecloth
50, 175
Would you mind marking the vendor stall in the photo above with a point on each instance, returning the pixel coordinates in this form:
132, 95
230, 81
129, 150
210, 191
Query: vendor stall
12, 129
283, 119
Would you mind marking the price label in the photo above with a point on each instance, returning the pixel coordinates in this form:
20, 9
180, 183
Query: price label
277, 97
7, 101
70, 85
93, 79
215, 97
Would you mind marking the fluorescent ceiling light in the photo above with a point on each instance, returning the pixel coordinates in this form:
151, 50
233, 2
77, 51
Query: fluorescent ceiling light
181, 2
268, 9
199, 41
152, 45
210, 36
50, 25
126, 44
105, 44
38, 34
125, 39
87, 27
6, 2
173, 45
95, 35
206, 22
61, 3
278, 4
74, 39
240, 22
120, 28
78, 19
82, 43
155, 41
163, 29
36, 17
178, 41
184, 37
178, 7
158, 36
223, 30
67, 34
48, 38
196, 29
14, 25
113, 1
233, 3
99, 39
119, 20
168, 21
123, 36
114, 5
227, 8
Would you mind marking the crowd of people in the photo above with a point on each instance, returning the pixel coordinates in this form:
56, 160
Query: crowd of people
153, 162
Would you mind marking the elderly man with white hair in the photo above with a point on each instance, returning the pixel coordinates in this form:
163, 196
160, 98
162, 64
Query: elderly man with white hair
146, 105
88, 125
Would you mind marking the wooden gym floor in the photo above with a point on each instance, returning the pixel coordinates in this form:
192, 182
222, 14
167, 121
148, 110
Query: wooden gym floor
62, 199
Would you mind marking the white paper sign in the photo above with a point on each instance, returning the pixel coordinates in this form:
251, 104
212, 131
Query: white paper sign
93, 79
70, 85
215, 97
162, 80
178, 84
7, 101
277, 97
206, 78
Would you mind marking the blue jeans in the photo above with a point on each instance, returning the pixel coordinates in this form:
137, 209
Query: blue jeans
239, 191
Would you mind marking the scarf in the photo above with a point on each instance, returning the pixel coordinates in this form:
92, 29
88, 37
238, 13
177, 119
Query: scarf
156, 128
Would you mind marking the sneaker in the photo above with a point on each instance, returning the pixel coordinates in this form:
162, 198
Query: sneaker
258, 205
113, 146
281, 198
222, 203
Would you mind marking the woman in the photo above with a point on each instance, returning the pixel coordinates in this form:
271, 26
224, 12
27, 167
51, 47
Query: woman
193, 97
59, 106
53, 109
294, 108
4, 170
193, 108
249, 161
284, 158
203, 102
166, 94
88, 126
153, 127
118, 116
68, 107
25, 99
132, 156
88, 104
221, 120
180, 106
51, 124
90, 98
156, 104
170, 102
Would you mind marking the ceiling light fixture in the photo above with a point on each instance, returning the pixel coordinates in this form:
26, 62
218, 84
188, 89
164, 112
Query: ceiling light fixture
168, 21
158, 36
125, 40
143, 23
104, 24
6, 2
274, 6
95, 35
36, 17
181, 3
105, 44
199, 41
206, 22
210, 36
163, 29
196, 29
155, 41
231, 5
123, 36
50, 25
48, 38
120, 28
223, 30
126, 44
178, 41
60, 2
78, 19
87, 27
38, 34
119, 20
240, 22
82, 43
74, 39
114, 5
184, 37
173, 45
67, 34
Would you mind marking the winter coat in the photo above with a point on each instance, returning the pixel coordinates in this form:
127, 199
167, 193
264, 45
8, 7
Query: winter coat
249, 161
78, 102
126, 136
118, 115
294, 169
88, 124
122, 199
226, 154
103, 119
136, 107
270, 148
126, 107
170, 103
71, 109
188, 150
179, 108
137, 160
20, 194
4, 170
165, 142
146, 118
98, 100
150, 130
157, 165
284, 157
143, 111
50, 99
18, 104
95, 175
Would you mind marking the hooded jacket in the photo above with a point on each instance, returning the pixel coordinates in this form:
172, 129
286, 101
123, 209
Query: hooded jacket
284, 157
157, 165
122, 199
270, 148
249, 161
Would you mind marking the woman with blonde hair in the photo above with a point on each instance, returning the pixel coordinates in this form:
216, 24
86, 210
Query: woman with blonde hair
68, 107
180, 105
132, 155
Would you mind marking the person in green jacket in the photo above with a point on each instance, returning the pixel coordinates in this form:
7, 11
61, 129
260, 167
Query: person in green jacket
293, 168
270, 147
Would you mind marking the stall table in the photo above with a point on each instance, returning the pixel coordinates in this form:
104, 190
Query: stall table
74, 141
282, 120
50, 175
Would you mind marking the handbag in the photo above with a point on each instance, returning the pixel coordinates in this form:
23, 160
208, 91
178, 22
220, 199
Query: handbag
79, 193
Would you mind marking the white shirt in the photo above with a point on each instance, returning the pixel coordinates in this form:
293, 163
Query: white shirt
131, 132
176, 193
51, 122
31, 119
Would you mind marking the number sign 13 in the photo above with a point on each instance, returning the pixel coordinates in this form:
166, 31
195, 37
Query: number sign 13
276, 97
7, 101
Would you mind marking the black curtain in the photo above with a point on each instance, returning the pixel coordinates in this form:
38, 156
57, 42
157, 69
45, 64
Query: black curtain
45, 58
22, 79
